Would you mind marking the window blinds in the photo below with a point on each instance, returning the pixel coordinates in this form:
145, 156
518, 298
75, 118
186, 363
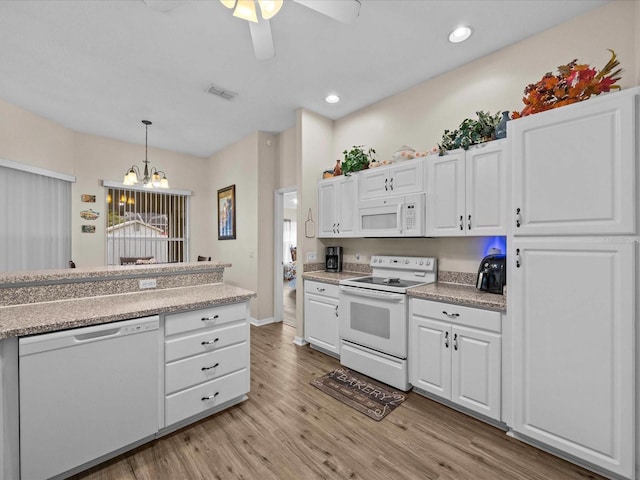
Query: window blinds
35, 220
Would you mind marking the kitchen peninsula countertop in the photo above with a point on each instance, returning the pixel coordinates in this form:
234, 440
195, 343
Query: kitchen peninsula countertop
32, 318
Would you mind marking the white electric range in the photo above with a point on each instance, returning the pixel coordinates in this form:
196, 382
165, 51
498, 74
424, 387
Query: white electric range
374, 317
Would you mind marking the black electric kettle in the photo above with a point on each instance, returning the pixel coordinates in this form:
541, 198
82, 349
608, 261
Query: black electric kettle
492, 273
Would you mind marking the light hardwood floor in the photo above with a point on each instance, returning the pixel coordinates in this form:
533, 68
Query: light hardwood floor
288, 429
288, 303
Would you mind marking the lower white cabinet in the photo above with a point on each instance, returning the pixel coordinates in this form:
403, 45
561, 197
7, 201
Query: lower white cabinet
321, 325
573, 304
207, 360
455, 353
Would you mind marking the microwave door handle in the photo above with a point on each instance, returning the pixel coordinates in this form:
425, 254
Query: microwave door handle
400, 224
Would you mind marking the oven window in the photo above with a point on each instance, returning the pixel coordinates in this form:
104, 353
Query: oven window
372, 320
379, 221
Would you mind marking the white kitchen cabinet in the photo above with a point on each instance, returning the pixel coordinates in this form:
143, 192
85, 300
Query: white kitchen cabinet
321, 326
574, 168
573, 312
337, 207
455, 354
468, 192
397, 179
207, 360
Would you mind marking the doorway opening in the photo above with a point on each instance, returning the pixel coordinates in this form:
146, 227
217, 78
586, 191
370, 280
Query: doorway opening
286, 255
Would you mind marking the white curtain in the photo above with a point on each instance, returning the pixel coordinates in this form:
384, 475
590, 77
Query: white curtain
35, 221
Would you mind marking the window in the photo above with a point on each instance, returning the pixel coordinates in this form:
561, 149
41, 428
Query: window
146, 226
35, 218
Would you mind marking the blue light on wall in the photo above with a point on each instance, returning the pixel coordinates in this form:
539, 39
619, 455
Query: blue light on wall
495, 242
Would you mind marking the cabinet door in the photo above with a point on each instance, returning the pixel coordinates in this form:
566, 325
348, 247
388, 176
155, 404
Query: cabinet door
347, 207
327, 193
475, 370
321, 327
446, 209
373, 183
574, 168
573, 319
486, 190
406, 177
430, 356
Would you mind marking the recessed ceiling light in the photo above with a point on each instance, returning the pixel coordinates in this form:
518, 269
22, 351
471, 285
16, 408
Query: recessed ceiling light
460, 34
332, 98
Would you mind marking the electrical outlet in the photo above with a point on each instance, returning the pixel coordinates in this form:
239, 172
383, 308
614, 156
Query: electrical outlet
148, 283
357, 257
312, 257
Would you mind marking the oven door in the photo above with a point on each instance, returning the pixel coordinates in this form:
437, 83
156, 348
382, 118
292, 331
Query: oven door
374, 319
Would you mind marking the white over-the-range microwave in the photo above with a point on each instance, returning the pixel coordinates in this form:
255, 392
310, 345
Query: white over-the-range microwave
401, 216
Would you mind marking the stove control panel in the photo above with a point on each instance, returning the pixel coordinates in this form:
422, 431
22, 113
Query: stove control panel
427, 264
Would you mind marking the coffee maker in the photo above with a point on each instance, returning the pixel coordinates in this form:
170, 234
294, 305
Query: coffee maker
492, 273
333, 259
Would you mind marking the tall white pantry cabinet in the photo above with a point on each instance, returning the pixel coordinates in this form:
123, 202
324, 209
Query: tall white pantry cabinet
573, 281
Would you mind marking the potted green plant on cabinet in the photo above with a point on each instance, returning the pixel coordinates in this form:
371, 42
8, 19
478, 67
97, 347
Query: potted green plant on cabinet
357, 159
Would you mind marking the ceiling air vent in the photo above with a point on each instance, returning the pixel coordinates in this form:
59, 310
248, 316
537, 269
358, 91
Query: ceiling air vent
221, 92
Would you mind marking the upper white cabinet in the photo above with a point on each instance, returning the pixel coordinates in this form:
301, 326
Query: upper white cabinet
574, 168
337, 207
573, 306
468, 192
397, 179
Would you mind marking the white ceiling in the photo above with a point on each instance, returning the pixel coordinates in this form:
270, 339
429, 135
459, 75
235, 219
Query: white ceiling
100, 67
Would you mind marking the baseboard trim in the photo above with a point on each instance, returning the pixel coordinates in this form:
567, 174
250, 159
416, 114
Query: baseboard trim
259, 323
299, 341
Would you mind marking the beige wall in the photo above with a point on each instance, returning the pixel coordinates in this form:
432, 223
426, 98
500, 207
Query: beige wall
287, 161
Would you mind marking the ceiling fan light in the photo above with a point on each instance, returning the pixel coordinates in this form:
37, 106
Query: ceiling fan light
246, 9
228, 3
269, 8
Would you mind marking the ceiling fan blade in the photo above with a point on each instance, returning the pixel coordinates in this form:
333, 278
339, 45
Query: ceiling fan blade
164, 6
262, 40
345, 11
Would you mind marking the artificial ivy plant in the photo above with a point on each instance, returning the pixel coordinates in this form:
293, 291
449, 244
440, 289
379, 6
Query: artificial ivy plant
357, 159
470, 132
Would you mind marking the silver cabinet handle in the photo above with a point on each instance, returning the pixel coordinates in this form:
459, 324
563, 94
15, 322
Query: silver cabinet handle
204, 369
333, 228
446, 339
461, 223
338, 227
336, 310
469, 223
209, 342
518, 263
320, 289
455, 341
451, 315
210, 397
208, 319
386, 188
518, 217
391, 184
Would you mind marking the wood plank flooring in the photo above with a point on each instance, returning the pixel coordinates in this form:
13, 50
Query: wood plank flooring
288, 429
288, 304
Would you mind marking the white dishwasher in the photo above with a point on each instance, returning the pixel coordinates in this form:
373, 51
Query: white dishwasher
85, 393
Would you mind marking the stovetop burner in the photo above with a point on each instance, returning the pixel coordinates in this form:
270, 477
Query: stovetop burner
396, 274
393, 282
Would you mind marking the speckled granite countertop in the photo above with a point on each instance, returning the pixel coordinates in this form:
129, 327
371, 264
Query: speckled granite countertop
331, 277
43, 317
460, 294
86, 274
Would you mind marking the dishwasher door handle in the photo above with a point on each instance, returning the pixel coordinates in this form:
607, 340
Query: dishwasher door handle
83, 337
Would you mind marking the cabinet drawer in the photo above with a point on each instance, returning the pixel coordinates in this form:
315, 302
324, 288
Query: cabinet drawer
319, 288
457, 315
206, 317
204, 341
190, 402
202, 368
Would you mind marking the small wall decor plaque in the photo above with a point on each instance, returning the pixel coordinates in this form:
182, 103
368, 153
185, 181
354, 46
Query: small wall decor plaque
89, 214
85, 197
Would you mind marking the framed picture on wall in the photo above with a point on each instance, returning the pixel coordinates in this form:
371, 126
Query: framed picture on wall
227, 213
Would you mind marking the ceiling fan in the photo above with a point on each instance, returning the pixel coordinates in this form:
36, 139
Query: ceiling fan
345, 11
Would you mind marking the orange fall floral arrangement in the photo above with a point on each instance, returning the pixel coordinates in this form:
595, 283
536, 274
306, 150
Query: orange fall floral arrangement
575, 82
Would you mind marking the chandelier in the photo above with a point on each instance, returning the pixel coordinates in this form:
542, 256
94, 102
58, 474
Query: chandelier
246, 9
151, 178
